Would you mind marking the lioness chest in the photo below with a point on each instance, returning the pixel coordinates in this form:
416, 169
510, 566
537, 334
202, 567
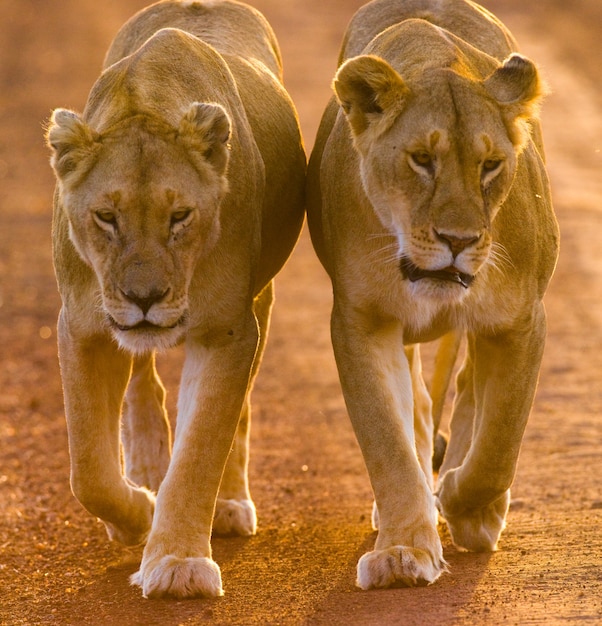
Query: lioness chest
429, 308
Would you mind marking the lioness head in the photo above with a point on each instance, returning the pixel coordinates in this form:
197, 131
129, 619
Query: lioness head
142, 202
438, 154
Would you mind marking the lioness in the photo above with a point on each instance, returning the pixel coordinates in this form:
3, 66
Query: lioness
430, 209
180, 195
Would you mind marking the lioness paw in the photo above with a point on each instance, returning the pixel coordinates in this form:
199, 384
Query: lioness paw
126, 536
139, 521
235, 517
399, 566
478, 529
179, 578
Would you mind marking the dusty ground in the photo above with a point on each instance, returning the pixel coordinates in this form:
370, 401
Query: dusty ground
312, 493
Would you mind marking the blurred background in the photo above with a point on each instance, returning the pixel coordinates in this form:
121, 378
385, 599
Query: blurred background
308, 479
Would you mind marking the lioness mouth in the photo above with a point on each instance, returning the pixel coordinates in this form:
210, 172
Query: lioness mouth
451, 274
145, 325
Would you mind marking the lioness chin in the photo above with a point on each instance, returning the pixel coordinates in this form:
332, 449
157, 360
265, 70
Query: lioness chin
429, 207
179, 197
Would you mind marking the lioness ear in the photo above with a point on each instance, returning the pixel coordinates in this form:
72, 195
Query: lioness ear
205, 129
518, 89
72, 142
371, 93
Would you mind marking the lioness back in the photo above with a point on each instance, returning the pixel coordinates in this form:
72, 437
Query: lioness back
467, 20
227, 26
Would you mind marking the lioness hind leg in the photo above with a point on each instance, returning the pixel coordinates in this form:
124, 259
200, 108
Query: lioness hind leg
476, 529
462, 420
423, 415
145, 430
479, 529
473, 496
235, 511
445, 360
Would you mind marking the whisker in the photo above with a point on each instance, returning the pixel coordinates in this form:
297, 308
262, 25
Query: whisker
99, 308
98, 301
501, 253
389, 253
395, 235
380, 235
499, 259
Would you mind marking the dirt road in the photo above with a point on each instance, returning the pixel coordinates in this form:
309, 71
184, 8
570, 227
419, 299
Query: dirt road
308, 479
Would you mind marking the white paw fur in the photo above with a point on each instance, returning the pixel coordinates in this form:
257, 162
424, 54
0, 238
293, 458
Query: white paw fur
235, 517
180, 578
398, 565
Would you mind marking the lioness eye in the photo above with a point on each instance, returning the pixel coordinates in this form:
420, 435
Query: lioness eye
422, 158
106, 217
180, 216
489, 165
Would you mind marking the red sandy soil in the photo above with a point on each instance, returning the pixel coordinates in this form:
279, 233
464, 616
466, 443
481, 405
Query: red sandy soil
308, 478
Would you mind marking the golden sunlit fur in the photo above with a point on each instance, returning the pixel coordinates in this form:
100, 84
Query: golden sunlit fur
179, 197
430, 208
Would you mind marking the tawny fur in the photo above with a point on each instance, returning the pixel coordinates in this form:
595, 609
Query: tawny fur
179, 197
427, 173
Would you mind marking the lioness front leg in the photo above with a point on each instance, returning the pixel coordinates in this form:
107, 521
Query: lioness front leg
177, 557
423, 421
376, 382
473, 498
145, 430
95, 373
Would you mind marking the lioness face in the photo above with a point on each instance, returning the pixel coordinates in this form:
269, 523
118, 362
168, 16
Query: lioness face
142, 212
437, 161
436, 182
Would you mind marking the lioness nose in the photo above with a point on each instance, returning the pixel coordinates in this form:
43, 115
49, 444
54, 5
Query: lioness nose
456, 244
145, 301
